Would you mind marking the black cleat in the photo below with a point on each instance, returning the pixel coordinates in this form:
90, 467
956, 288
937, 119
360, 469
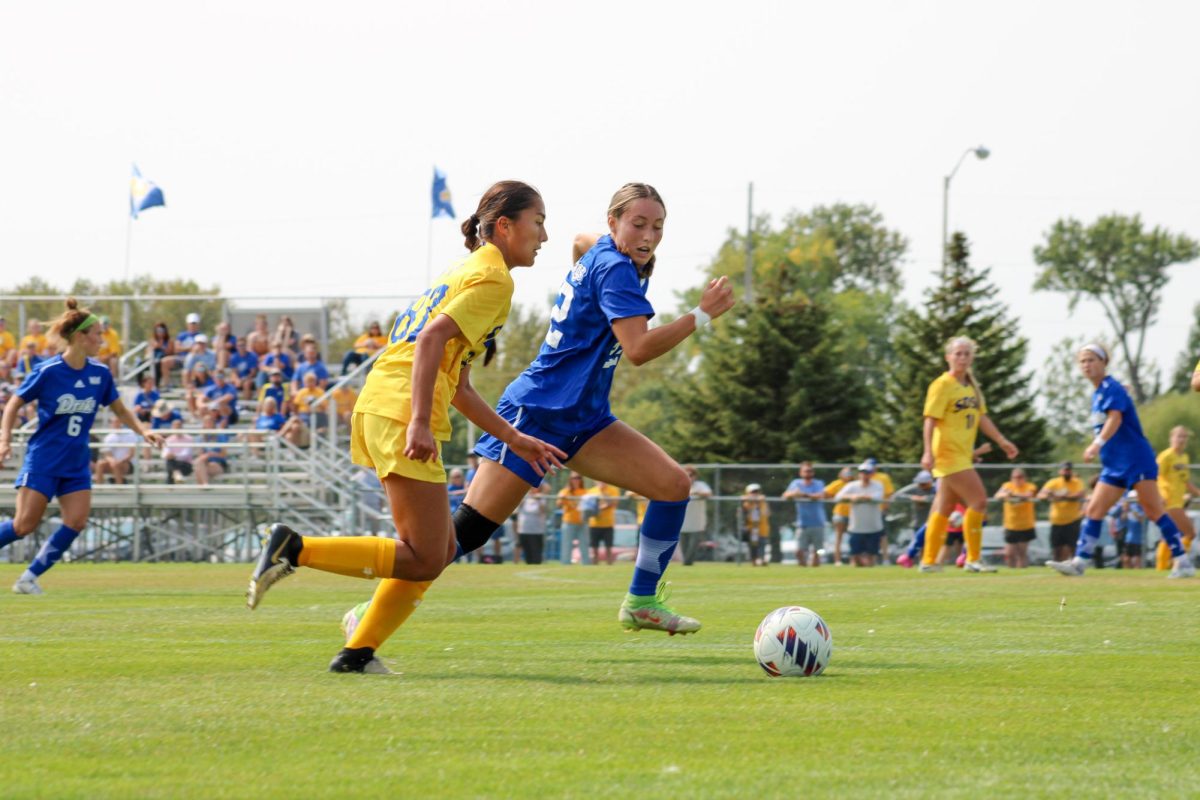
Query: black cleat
279, 558
358, 659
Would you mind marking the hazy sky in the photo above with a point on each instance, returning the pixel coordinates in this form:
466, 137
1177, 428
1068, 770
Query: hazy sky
295, 142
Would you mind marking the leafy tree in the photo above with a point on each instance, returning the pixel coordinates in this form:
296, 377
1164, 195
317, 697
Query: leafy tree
1065, 395
963, 303
1121, 266
1185, 365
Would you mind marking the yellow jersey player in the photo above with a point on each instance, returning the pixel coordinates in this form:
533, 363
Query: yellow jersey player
955, 412
1174, 483
403, 415
1196, 378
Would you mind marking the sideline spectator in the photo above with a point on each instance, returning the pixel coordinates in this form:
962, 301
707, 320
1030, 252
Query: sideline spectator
866, 515
344, 397
456, 487
258, 338
955, 540
841, 512
531, 527
809, 494
116, 455
365, 346
602, 523
162, 350
275, 388
310, 365
285, 335
1018, 495
303, 401
187, 337
8, 386
110, 347
243, 366
28, 359
1135, 532
222, 396
573, 527
277, 359
472, 468
756, 524
147, 396
224, 344
1066, 493
163, 415
370, 498
889, 489
196, 387
695, 517
920, 493
213, 459
179, 452
198, 354
8, 344
34, 333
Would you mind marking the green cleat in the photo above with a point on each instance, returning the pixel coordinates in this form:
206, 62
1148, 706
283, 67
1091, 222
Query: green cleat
352, 617
652, 613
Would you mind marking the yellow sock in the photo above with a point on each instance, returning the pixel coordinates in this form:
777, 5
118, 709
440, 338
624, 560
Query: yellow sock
935, 536
1162, 556
973, 534
393, 603
356, 556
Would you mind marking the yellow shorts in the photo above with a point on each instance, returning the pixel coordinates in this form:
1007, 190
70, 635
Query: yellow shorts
378, 443
941, 470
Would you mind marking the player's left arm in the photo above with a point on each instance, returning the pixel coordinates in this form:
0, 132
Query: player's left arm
990, 430
542, 456
152, 438
641, 343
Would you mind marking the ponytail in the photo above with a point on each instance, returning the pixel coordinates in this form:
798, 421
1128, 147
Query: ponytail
502, 199
975, 385
470, 230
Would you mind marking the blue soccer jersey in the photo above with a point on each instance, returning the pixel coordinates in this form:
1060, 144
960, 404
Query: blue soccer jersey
1128, 445
67, 402
573, 372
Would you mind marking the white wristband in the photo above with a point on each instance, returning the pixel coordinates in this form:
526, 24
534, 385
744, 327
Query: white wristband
1099, 441
700, 316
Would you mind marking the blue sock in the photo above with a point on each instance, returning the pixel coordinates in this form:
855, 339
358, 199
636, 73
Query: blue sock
58, 543
1170, 535
1089, 534
656, 545
7, 534
917, 544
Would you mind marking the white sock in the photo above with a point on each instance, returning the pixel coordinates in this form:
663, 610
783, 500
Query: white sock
28, 576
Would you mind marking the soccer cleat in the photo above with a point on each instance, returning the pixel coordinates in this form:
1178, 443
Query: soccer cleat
352, 617
1183, 568
31, 587
652, 613
977, 566
361, 660
931, 568
961, 560
279, 558
903, 560
1073, 567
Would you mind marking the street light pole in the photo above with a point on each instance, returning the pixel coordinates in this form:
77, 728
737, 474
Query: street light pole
981, 153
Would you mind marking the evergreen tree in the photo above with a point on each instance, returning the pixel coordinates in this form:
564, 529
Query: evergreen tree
1185, 364
963, 304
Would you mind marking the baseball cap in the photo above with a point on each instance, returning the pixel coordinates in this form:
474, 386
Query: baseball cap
193, 317
753, 487
924, 476
866, 466
1066, 465
200, 337
161, 408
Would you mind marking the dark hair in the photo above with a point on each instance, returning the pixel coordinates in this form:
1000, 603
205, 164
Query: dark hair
503, 199
69, 321
623, 199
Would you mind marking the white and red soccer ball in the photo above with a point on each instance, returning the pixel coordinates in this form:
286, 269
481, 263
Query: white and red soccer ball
793, 642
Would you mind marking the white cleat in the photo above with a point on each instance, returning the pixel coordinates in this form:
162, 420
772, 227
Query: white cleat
1073, 567
31, 587
977, 566
931, 568
1183, 568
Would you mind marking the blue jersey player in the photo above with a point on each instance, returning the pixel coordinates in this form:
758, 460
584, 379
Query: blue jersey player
1127, 461
69, 389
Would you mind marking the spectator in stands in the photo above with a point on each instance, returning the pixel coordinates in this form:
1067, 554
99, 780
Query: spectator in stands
28, 359
116, 454
531, 527
179, 453
258, 338
224, 344
841, 511
277, 359
344, 398
110, 347
808, 492
277, 389
695, 517
147, 396
755, 524
213, 459
269, 418
866, 497
163, 415
1066, 494
1018, 495
285, 335
8, 344
602, 523
304, 401
199, 354
243, 368
34, 333
186, 337
222, 397
8, 386
162, 350
365, 346
573, 528
310, 364
196, 386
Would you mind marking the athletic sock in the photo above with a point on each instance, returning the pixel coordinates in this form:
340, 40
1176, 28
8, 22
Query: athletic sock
7, 534
935, 537
918, 542
52, 550
1170, 535
656, 545
973, 534
1162, 556
394, 602
1089, 534
356, 556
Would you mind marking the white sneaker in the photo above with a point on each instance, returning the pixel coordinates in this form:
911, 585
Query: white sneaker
931, 568
31, 587
977, 566
1073, 567
1183, 568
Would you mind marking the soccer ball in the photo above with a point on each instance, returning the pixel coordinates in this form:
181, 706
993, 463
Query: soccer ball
793, 642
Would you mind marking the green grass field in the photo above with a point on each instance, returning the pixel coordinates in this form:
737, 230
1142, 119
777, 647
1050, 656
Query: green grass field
155, 681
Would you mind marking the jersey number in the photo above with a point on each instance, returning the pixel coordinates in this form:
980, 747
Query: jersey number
566, 293
970, 421
409, 324
74, 425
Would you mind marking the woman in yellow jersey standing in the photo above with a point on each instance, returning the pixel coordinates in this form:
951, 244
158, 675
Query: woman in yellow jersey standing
840, 513
954, 413
1020, 522
402, 417
1174, 482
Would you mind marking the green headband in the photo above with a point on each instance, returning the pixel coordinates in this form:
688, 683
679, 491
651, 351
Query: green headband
88, 322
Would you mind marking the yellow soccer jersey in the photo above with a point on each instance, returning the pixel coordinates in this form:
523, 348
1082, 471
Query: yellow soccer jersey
957, 409
477, 295
110, 345
8, 343
1019, 515
39, 340
1173, 476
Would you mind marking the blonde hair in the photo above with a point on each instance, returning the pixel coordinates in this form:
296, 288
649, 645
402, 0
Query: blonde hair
624, 198
970, 343
1180, 429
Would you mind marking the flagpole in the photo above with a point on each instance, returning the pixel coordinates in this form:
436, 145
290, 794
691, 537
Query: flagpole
429, 254
128, 243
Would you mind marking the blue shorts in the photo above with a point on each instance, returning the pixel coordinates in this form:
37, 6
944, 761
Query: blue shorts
54, 485
862, 544
493, 449
1129, 475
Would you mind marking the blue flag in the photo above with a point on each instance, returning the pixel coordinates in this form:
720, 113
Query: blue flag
143, 194
441, 196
